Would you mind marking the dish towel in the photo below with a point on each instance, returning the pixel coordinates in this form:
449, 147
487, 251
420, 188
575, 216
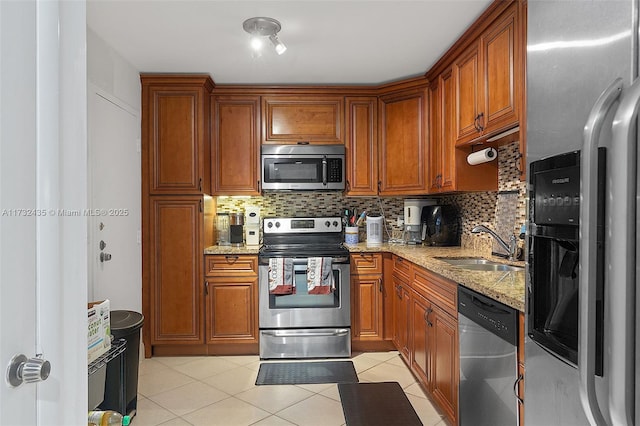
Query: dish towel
281, 276
320, 275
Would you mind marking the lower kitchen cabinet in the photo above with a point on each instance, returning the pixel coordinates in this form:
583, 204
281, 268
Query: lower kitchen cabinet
445, 375
401, 319
173, 307
368, 303
426, 332
420, 310
231, 292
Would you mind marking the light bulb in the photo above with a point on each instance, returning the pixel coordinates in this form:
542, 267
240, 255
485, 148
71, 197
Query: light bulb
256, 43
280, 47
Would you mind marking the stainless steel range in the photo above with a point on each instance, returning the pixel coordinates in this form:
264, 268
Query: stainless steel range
304, 303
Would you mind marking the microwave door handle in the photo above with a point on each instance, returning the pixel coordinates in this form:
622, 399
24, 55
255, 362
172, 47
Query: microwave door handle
588, 251
622, 278
324, 170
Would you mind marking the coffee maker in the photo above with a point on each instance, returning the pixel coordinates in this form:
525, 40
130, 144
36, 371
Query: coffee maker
237, 229
413, 219
441, 225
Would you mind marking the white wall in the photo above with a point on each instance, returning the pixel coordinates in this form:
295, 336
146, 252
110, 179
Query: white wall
113, 100
111, 72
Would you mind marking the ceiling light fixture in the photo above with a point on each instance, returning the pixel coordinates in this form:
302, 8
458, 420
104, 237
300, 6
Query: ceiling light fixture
261, 27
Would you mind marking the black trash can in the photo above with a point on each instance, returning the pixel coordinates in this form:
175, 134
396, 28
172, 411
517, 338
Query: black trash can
121, 388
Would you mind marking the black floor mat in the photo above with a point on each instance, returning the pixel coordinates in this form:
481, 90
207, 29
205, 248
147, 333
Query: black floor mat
297, 373
373, 404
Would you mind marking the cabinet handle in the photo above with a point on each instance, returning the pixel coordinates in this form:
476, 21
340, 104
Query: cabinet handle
206, 288
426, 316
517, 160
380, 285
379, 185
480, 125
201, 206
348, 185
231, 258
515, 389
399, 291
200, 184
258, 185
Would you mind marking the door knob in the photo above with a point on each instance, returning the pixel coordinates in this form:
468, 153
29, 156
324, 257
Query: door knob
27, 370
105, 257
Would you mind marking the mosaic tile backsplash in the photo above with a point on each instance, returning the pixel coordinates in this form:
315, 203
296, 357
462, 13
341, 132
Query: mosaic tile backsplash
503, 211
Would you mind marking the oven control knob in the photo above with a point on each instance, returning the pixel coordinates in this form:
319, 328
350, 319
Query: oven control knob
327, 224
277, 224
270, 225
335, 223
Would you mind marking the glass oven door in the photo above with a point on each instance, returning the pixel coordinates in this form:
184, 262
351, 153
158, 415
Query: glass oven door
302, 309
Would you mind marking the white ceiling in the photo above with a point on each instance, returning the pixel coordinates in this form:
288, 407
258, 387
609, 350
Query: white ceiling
328, 41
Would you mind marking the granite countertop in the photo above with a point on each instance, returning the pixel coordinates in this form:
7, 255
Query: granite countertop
232, 250
507, 287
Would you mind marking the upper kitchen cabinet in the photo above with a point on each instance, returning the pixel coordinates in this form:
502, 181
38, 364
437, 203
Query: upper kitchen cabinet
403, 159
489, 78
235, 145
361, 118
302, 119
449, 170
175, 133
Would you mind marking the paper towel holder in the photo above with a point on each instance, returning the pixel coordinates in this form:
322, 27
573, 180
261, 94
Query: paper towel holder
483, 156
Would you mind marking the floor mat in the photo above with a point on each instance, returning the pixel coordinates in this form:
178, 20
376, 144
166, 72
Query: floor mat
371, 404
297, 373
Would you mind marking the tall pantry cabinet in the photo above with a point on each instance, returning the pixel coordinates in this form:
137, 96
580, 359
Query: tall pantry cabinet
175, 183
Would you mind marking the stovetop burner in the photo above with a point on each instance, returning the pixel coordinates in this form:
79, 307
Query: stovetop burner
303, 237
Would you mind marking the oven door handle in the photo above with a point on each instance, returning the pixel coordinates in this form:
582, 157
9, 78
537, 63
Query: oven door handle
285, 333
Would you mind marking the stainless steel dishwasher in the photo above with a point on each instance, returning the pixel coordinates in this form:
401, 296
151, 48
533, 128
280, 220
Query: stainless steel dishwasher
488, 333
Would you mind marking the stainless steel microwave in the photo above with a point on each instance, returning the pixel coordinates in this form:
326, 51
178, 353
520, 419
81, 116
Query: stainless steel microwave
303, 167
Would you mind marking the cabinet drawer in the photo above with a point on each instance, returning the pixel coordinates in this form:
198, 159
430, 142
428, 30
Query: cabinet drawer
437, 289
402, 267
366, 263
230, 265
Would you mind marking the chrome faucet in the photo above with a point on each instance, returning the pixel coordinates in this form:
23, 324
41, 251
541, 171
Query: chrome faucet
511, 248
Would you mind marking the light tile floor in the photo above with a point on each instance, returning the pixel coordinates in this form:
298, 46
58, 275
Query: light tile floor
221, 390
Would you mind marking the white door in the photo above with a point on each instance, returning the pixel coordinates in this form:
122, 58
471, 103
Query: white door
114, 200
43, 270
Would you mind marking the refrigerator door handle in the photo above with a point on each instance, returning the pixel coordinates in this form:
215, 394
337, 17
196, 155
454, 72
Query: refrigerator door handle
622, 280
588, 251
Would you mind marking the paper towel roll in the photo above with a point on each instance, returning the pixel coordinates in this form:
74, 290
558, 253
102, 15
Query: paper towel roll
484, 156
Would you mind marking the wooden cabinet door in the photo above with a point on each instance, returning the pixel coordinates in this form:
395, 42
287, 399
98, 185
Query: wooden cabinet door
232, 310
401, 317
175, 131
403, 143
175, 270
362, 145
445, 375
435, 138
499, 73
420, 310
303, 118
236, 146
468, 98
367, 307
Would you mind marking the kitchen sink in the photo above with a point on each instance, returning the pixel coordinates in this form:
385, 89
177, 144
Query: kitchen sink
479, 264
